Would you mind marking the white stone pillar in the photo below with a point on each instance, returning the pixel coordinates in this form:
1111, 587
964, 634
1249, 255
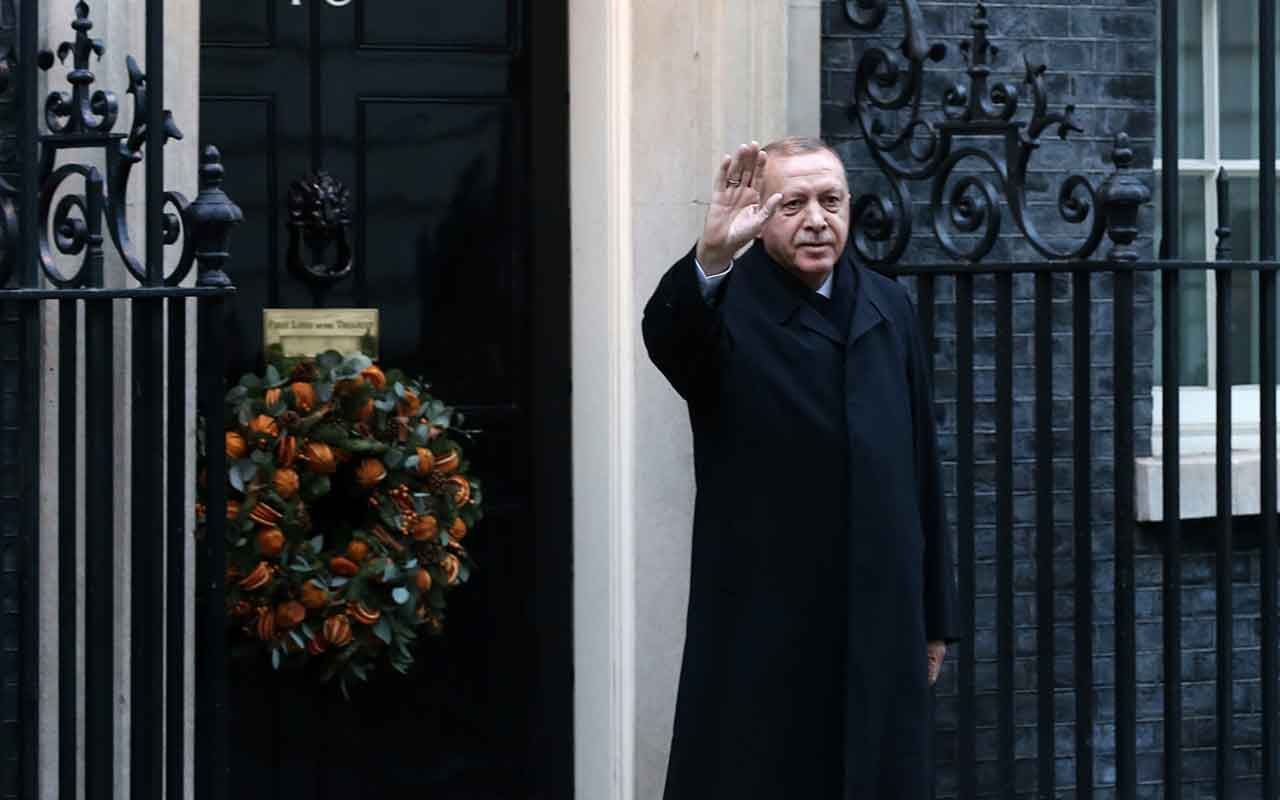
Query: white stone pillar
658, 90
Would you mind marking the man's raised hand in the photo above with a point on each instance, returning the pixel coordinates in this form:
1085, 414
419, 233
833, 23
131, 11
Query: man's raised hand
737, 213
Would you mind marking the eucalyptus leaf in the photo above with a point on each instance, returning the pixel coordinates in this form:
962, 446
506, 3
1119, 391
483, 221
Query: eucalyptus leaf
411, 563
400, 595
411, 463
398, 389
384, 405
363, 447
338, 582
464, 572
237, 394
383, 631
245, 412
306, 631
390, 573
251, 381
262, 457
272, 376
275, 658
329, 359
357, 362
359, 671
316, 542
394, 458
248, 471
324, 391
422, 435
297, 639
233, 475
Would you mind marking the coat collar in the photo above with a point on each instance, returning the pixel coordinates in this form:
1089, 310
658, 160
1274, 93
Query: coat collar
783, 296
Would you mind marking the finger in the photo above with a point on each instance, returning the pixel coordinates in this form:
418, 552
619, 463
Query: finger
722, 174
756, 178
749, 163
736, 168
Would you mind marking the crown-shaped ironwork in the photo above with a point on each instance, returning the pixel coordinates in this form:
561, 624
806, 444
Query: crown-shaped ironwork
966, 213
85, 119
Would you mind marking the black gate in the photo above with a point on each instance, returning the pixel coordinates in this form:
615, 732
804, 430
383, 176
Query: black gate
978, 159
70, 200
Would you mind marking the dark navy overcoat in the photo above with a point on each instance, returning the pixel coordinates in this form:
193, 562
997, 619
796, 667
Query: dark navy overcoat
821, 563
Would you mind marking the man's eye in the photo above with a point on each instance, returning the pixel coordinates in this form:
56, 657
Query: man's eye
792, 205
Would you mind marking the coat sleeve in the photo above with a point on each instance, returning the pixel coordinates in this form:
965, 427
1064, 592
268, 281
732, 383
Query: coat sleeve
940, 608
685, 333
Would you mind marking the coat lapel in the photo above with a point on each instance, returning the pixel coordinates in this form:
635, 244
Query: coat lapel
870, 306
782, 295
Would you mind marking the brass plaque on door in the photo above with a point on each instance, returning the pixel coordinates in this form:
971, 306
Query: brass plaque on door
306, 332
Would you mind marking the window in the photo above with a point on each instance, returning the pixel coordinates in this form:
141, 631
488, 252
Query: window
1217, 128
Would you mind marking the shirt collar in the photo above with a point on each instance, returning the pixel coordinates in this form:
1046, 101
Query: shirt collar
825, 288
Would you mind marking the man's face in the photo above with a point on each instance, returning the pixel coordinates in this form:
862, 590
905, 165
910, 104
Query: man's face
807, 233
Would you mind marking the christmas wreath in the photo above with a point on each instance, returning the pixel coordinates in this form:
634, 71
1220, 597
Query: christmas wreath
349, 500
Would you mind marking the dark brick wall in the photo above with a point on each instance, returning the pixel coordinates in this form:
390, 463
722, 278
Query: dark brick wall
1102, 56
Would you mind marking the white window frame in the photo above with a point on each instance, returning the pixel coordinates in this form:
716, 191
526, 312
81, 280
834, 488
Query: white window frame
1198, 404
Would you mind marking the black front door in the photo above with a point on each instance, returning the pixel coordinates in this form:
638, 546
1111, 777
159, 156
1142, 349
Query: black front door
424, 111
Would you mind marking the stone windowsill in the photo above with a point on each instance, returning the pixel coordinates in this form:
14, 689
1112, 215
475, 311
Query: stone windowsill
1198, 486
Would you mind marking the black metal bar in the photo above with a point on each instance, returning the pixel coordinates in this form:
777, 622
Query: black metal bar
1222, 323
1171, 360
1082, 541
29, 428
99, 593
28, 532
156, 135
68, 555
967, 733
1064, 267
1170, 246
147, 706
176, 552
118, 294
1045, 749
211, 762
1004, 531
146, 744
1267, 391
1126, 659
1267, 351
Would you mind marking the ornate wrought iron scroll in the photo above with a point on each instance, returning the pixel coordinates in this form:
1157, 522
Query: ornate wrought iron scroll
966, 216
85, 119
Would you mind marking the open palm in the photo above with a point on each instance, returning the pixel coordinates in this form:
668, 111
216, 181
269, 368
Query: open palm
737, 214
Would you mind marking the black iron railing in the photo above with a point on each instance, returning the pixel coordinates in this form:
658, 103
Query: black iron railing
979, 124
45, 221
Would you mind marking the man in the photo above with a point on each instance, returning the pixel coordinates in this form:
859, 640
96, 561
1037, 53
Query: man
821, 596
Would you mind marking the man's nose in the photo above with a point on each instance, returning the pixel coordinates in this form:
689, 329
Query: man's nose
814, 218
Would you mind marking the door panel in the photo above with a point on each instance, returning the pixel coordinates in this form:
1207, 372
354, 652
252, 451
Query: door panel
482, 24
